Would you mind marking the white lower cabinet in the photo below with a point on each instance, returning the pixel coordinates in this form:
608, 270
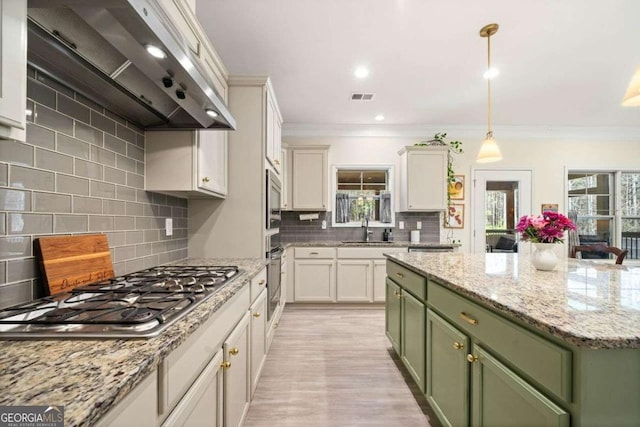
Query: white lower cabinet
139, 408
237, 373
202, 405
354, 280
258, 338
314, 280
379, 277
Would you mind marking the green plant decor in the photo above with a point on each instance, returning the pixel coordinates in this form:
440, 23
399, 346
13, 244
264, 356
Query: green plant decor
455, 147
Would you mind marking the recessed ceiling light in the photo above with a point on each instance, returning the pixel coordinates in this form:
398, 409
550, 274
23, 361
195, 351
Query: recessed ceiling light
379, 118
361, 72
211, 113
155, 51
491, 73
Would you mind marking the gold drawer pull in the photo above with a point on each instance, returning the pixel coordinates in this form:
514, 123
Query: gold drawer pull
464, 316
256, 314
261, 282
234, 351
277, 162
400, 275
398, 294
225, 365
458, 346
471, 358
314, 253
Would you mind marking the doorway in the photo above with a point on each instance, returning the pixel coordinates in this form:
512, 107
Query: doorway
500, 198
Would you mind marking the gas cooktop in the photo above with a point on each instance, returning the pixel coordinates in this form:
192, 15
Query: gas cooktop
140, 304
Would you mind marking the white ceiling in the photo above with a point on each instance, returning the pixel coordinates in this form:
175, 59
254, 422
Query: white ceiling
563, 63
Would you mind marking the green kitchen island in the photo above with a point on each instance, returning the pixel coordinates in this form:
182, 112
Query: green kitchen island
491, 341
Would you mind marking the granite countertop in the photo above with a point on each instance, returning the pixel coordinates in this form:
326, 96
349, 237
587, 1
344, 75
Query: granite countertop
371, 244
585, 303
90, 376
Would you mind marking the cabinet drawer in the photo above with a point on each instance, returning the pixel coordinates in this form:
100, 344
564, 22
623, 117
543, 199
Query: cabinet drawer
315, 252
409, 280
538, 359
184, 364
258, 284
367, 253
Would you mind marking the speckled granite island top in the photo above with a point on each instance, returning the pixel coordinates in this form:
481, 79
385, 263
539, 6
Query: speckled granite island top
372, 244
89, 377
585, 303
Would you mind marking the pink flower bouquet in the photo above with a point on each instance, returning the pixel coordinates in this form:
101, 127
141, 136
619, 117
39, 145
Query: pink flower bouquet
546, 228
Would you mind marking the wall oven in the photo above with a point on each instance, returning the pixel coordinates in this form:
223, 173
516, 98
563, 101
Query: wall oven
274, 191
274, 257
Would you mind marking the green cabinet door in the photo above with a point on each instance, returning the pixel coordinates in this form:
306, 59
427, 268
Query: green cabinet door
502, 398
392, 323
413, 337
448, 371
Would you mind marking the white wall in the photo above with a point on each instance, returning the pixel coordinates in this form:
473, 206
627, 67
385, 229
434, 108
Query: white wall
546, 156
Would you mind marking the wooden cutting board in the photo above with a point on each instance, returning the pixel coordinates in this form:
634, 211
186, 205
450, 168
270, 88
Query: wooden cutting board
71, 261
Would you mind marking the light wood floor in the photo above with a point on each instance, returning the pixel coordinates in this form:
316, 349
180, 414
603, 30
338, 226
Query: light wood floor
334, 367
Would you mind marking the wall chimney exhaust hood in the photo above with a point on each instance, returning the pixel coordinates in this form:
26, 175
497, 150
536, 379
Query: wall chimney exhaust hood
101, 49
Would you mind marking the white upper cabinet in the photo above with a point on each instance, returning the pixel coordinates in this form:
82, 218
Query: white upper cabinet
423, 179
13, 68
273, 131
309, 178
187, 163
182, 15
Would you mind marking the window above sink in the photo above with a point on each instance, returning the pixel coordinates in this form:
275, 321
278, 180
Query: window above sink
362, 192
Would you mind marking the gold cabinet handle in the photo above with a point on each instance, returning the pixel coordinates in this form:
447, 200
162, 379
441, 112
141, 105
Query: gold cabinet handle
458, 346
397, 294
234, 351
225, 365
256, 314
277, 162
205, 179
471, 358
400, 275
261, 282
464, 316
314, 253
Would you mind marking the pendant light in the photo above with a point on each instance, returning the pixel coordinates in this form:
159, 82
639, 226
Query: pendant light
489, 151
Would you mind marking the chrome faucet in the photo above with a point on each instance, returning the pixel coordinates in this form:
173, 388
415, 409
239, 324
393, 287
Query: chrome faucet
367, 232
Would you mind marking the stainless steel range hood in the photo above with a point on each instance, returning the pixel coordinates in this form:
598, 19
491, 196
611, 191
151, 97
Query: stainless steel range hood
98, 48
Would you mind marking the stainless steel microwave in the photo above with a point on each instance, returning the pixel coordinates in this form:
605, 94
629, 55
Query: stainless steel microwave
274, 192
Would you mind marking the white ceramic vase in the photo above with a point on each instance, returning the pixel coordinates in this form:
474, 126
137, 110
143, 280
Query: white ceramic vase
544, 257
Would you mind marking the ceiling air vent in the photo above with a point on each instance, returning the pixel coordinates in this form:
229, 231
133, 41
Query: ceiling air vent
362, 96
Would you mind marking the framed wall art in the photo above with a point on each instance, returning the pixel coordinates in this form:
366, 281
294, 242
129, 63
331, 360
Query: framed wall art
454, 216
456, 188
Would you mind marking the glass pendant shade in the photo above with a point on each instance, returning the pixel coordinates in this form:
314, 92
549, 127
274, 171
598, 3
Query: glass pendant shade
489, 151
632, 97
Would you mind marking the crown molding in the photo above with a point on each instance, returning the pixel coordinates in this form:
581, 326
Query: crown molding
584, 133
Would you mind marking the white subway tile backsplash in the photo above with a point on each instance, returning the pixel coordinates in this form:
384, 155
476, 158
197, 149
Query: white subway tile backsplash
45, 185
